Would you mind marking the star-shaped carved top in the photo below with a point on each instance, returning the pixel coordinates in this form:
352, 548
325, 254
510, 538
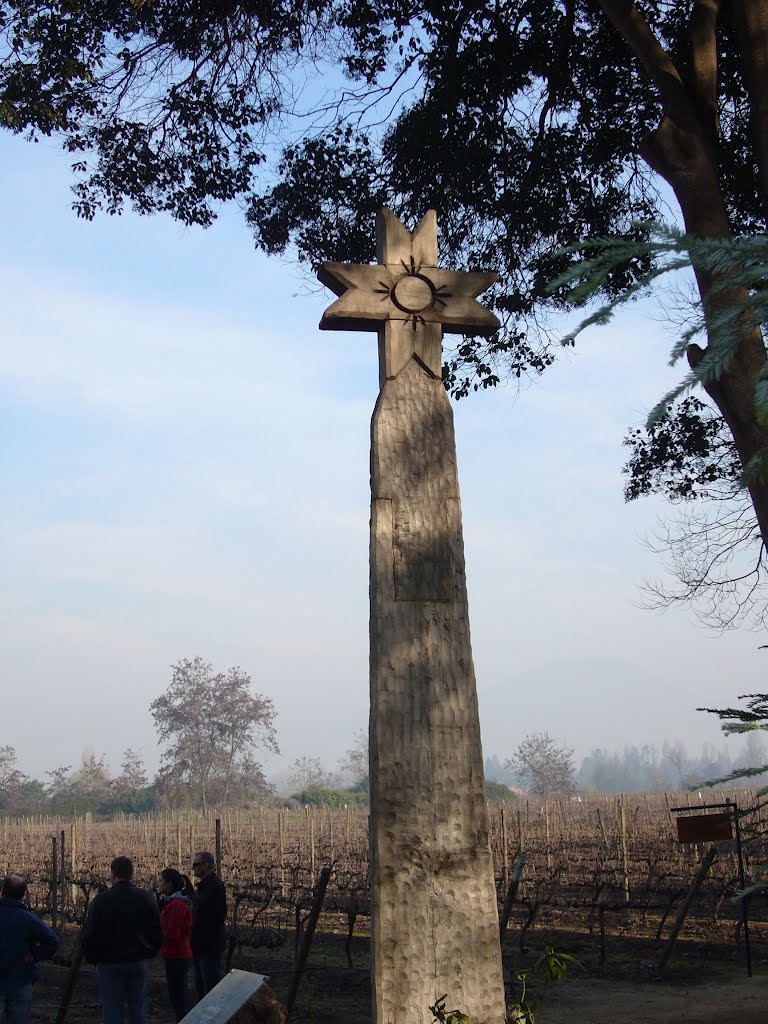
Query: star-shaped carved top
406, 285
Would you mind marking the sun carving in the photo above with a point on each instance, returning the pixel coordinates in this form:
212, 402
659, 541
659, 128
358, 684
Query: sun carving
406, 297
372, 293
413, 293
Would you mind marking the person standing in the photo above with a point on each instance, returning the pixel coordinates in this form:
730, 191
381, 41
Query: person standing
121, 933
24, 939
209, 915
175, 892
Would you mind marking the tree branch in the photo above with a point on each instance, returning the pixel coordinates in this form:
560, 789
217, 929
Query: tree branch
637, 33
703, 38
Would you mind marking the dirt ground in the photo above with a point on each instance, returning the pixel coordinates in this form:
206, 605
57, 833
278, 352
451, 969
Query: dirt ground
603, 1001
705, 983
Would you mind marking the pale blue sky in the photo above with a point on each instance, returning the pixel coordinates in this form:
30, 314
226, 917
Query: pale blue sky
184, 470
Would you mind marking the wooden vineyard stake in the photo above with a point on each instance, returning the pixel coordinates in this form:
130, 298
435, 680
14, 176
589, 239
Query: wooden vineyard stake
54, 883
517, 874
282, 852
624, 857
504, 851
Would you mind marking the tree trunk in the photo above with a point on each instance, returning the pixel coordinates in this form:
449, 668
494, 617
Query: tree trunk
228, 778
683, 150
682, 157
752, 28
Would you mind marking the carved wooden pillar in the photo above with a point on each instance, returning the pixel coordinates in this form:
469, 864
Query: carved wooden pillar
434, 921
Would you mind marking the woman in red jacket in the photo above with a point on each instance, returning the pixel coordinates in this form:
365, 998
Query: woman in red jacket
176, 894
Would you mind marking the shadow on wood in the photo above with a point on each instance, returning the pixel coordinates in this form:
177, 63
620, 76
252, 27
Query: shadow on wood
240, 998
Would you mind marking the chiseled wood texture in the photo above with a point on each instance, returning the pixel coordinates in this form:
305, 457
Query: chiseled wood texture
434, 917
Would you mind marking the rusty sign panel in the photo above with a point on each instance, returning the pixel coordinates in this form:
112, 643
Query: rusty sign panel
704, 828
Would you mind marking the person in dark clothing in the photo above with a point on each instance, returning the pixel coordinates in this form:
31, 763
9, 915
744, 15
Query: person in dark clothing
209, 915
121, 933
24, 940
176, 895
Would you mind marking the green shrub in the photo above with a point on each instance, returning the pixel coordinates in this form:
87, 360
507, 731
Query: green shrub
319, 796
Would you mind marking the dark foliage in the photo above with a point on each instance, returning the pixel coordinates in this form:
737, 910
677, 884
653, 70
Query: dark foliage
519, 123
687, 454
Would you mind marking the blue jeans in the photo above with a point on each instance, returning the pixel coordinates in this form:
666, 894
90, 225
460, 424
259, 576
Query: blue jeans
208, 972
15, 1005
123, 985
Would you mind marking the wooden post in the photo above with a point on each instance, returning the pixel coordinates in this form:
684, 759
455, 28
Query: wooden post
624, 857
431, 870
602, 829
309, 933
282, 851
517, 874
69, 984
701, 874
219, 865
54, 883
312, 845
504, 851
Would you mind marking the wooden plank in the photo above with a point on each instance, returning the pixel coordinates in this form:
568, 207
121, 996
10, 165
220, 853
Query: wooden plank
704, 828
224, 1001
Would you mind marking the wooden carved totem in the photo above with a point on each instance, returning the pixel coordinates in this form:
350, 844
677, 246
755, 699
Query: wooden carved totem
434, 921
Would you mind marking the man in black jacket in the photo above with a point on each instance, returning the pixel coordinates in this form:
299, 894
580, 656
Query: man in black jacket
121, 933
208, 923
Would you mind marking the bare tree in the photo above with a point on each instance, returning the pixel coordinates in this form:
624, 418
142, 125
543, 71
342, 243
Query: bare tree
308, 771
133, 775
9, 773
91, 781
711, 545
132, 778
11, 779
716, 560
355, 761
211, 723
59, 781
676, 754
546, 767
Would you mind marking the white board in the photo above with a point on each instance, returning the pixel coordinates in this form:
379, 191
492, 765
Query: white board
223, 1002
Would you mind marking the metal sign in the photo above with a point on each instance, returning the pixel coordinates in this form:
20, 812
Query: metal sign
705, 828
